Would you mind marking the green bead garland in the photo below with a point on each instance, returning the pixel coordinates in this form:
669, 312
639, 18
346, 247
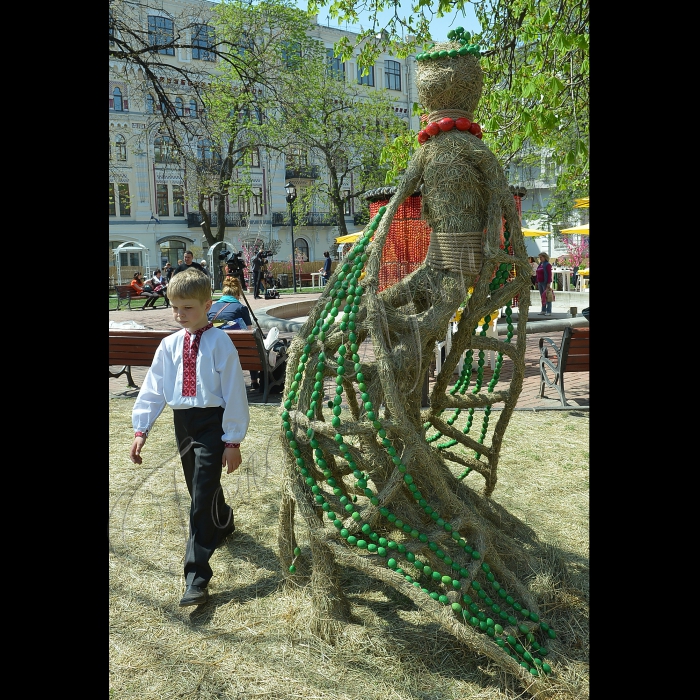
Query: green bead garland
340, 289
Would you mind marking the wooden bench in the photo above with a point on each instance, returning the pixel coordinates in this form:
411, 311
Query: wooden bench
136, 348
573, 355
125, 294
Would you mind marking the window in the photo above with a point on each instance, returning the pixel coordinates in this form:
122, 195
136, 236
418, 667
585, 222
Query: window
392, 75
336, 67
120, 142
346, 202
243, 205
118, 102
297, 158
112, 200
253, 158
193, 108
366, 79
163, 150
179, 109
178, 200
245, 44
130, 259
203, 40
302, 247
162, 200
149, 104
124, 199
257, 201
291, 54
161, 32
549, 168
204, 149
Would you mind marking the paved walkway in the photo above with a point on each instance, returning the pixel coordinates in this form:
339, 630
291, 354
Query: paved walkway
577, 384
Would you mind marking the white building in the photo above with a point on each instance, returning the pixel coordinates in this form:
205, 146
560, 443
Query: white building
150, 219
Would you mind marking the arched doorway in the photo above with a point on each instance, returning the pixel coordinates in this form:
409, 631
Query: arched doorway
172, 248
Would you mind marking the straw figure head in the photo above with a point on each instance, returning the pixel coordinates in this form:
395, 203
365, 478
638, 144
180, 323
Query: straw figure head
450, 82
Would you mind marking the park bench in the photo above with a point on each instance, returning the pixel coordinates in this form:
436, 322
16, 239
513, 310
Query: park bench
136, 348
125, 294
573, 355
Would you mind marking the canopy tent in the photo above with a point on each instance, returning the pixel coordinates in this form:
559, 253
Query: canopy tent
582, 230
350, 238
534, 232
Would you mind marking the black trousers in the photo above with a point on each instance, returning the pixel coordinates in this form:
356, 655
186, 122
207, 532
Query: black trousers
257, 283
198, 432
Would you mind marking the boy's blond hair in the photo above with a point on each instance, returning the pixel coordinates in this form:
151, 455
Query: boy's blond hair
190, 284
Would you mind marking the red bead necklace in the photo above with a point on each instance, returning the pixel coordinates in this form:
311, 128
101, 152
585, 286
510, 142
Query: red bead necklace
447, 124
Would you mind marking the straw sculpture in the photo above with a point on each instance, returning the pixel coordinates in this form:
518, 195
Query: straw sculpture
365, 472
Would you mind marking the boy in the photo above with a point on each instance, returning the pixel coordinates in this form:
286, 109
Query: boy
196, 371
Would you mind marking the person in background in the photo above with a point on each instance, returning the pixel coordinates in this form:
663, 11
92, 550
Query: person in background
159, 285
188, 263
167, 271
197, 372
533, 276
258, 262
138, 289
203, 264
326, 269
229, 308
544, 282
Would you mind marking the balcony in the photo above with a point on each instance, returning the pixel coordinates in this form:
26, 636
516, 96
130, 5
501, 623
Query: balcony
318, 218
307, 172
314, 218
235, 219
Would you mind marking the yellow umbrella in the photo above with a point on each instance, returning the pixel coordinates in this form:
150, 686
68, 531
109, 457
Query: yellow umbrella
534, 232
581, 230
350, 238
581, 203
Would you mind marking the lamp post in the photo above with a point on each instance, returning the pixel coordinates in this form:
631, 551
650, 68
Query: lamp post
291, 196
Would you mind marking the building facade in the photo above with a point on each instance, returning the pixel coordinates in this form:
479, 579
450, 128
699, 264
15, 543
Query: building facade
151, 218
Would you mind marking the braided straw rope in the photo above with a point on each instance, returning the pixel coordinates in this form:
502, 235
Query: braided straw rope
456, 251
453, 113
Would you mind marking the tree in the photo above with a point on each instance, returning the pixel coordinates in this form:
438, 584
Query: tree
239, 99
536, 73
339, 124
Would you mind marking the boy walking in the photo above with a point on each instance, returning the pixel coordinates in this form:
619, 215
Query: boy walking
196, 371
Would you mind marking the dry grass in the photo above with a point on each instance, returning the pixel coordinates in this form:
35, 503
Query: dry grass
251, 640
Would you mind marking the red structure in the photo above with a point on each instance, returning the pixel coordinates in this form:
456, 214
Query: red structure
408, 239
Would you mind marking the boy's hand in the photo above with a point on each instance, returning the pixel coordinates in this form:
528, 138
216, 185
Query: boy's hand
232, 459
136, 447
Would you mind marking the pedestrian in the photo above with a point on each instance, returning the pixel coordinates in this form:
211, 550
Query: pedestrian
258, 262
167, 271
188, 263
203, 264
197, 372
544, 283
326, 269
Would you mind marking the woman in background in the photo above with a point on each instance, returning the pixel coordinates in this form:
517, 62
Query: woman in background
544, 282
229, 308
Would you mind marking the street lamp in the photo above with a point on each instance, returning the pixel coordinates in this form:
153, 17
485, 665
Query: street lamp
291, 196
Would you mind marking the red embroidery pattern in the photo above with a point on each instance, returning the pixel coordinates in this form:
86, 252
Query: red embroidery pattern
189, 361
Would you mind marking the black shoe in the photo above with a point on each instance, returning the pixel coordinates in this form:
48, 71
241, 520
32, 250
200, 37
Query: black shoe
255, 386
194, 595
